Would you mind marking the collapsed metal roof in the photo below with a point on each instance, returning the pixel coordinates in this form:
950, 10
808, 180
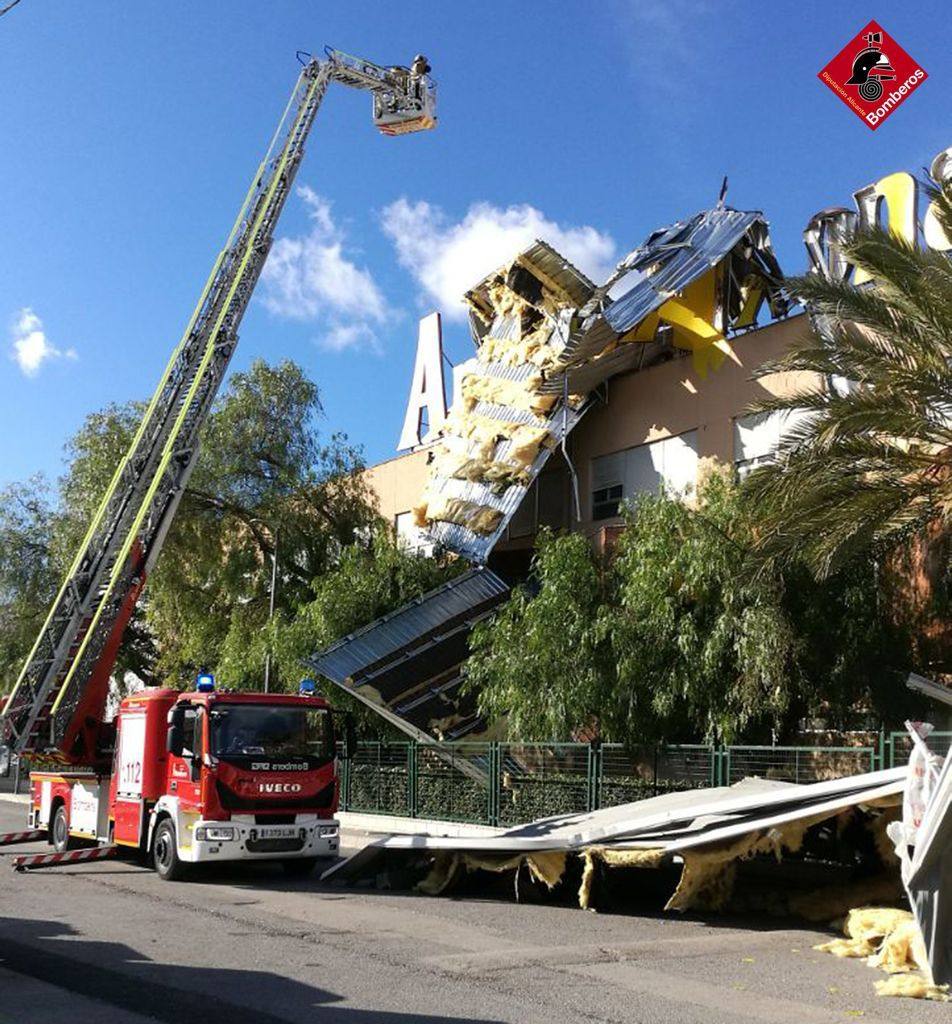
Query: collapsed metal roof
673, 257
407, 665
547, 337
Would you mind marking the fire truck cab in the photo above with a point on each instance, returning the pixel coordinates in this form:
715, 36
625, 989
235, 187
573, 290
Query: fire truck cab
204, 777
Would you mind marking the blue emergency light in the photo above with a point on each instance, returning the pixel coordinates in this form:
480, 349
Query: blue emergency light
205, 683
307, 688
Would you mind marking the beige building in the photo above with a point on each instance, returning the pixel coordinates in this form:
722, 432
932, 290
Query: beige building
653, 428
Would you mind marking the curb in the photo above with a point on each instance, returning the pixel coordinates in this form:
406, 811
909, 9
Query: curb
15, 798
391, 824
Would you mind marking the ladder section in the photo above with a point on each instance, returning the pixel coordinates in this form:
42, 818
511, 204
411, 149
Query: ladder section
78, 641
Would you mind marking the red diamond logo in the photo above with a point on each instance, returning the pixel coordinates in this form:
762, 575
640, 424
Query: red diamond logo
873, 75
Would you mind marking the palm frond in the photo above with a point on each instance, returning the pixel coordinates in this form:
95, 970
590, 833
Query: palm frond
867, 464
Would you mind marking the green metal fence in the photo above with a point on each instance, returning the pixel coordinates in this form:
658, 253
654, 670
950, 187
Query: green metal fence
511, 783
897, 746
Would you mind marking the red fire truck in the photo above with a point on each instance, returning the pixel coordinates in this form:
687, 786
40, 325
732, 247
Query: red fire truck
204, 777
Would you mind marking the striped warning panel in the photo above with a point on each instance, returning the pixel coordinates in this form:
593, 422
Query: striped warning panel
30, 836
48, 860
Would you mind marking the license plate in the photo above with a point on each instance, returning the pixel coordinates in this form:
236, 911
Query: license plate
278, 832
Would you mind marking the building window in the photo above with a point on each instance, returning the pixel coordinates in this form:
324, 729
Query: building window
409, 536
669, 464
605, 501
757, 437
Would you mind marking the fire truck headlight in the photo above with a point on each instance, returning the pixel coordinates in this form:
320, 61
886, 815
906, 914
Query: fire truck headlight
214, 833
327, 830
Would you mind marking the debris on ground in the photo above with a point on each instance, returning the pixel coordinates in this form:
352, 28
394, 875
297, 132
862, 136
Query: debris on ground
889, 939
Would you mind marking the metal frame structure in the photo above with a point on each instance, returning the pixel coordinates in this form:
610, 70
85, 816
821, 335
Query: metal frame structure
56, 705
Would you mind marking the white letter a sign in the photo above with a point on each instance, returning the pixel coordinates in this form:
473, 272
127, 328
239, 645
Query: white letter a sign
428, 390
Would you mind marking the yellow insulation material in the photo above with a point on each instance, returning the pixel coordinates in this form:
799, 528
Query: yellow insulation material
479, 430
912, 986
865, 930
526, 442
469, 441
547, 867
531, 348
475, 466
478, 518
613, 858
454, 457
902, 950
441, 874
707, 877
419, 515
505, 301
889, 939
520, 395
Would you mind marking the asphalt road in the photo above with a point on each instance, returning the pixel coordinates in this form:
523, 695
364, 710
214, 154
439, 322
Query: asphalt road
110, 943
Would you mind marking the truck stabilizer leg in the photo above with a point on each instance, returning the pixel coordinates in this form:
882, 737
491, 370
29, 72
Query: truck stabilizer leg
31, 862
31, 836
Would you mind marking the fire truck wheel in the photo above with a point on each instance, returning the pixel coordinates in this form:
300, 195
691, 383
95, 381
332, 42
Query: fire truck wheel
59, 831
298, 867
165, 856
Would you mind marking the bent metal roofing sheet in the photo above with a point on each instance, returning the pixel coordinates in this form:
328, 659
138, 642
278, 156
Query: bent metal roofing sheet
673, 822
459, 599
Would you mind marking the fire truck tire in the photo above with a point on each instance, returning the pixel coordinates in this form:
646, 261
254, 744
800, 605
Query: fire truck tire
298, 867
165, 858
59, 831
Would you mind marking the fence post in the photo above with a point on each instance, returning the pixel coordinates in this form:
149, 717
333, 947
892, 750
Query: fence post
342, 792
595, 761
412, 778
882, 750
494, 783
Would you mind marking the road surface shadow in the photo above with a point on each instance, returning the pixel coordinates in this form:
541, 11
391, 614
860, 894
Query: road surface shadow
172, 993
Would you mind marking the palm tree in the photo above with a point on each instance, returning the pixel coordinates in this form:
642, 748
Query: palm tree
869, 467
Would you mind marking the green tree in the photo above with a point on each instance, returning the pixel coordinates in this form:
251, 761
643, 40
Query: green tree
372, 576
686, 635
853, 654
91, 456
871, 465
27, 574
703, 646
545, 658
266, 483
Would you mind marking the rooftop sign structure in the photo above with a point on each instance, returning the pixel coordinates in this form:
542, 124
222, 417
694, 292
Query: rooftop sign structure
428, 388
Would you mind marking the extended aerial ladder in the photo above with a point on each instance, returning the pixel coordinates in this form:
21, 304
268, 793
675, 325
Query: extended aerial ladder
55, 709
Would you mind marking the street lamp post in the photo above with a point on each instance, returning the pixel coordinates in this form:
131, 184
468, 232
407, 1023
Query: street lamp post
274, 581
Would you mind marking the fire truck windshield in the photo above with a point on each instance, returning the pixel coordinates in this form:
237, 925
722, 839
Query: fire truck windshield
257, 730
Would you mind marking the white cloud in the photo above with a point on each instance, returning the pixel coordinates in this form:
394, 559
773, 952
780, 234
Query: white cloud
31, 347
312, 277
339, 337
448, 257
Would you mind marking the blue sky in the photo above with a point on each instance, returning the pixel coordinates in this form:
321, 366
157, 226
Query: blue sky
130, 132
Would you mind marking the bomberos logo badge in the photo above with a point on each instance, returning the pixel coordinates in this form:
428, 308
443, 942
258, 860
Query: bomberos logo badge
873, 75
